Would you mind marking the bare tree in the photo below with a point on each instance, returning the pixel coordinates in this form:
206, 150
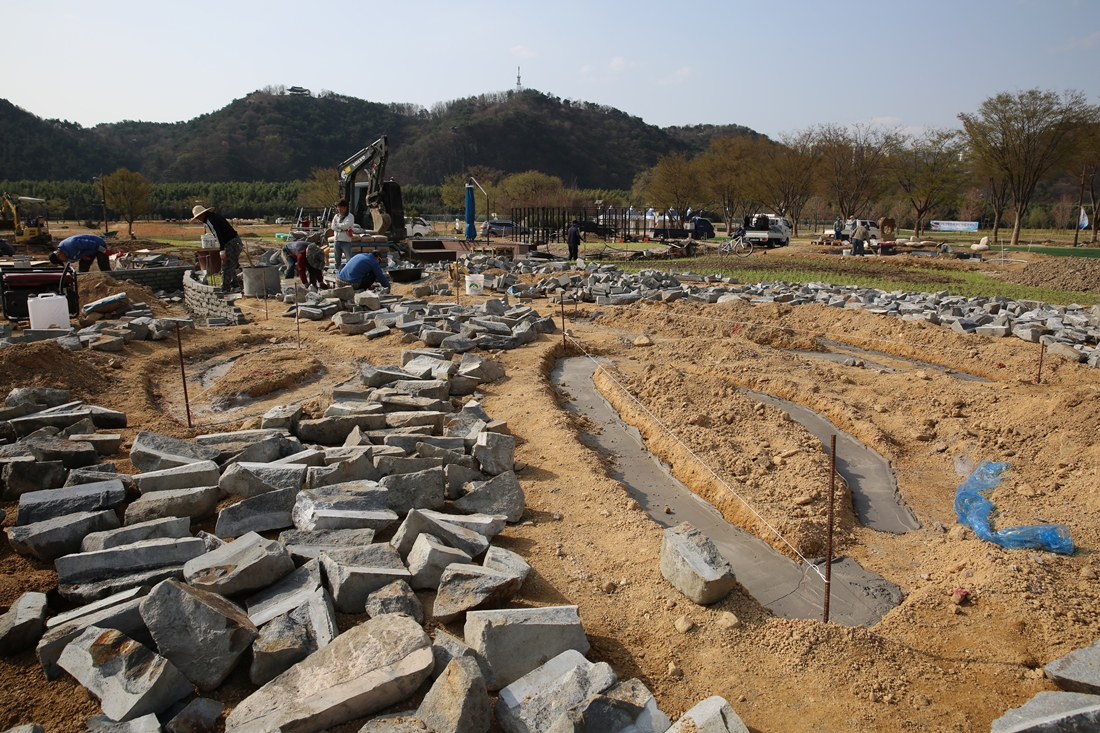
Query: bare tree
855, 164
818, 208
1085, 167
788, 172
1022, 137
725, 170
321, 189
676, 184
929, 170
127, 192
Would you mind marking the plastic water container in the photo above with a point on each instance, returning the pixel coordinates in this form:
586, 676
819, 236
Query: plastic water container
475, 284
48, 310
209, 241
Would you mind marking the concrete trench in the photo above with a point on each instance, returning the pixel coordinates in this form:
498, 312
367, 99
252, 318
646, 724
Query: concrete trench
786, 588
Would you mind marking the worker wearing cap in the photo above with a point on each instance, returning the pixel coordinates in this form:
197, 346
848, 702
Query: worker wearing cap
229, 242
83, 248
362, 271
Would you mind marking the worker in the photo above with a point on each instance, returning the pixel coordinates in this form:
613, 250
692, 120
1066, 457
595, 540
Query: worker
85, 248
229, 242
361, 272
859, 235
291, 251
573, 238
341, 231
838, 228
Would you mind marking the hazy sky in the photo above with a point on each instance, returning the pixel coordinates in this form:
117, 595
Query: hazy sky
772, 66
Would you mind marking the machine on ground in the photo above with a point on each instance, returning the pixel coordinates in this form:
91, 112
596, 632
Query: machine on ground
23, 220
373, 201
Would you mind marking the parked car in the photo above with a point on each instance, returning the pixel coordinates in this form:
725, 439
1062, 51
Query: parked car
768, 230
418, 227
502, 228
872, 227
282, 220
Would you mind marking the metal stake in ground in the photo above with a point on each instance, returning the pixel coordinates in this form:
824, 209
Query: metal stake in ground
1042, 348
298, 316
562, 299
183, 373
265, 299
829, 528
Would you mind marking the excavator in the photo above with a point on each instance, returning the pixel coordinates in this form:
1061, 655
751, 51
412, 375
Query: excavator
26, 229
373, 201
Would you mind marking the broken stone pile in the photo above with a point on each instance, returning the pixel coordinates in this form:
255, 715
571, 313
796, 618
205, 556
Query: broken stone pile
449, 327
103, 331
1072, 331
161, 614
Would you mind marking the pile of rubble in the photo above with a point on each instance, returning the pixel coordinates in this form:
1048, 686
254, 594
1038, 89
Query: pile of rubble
159, 616
1072, 331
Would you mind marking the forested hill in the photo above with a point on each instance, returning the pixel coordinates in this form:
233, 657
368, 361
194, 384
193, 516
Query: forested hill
278, 137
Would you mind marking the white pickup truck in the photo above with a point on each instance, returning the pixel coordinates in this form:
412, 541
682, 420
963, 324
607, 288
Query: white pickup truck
767, 230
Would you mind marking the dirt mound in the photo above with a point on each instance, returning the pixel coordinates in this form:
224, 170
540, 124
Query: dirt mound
1063, 273
47, 364
263, 373
96, 285
846, 266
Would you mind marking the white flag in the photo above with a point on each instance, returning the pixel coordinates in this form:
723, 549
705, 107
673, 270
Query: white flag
1083, 220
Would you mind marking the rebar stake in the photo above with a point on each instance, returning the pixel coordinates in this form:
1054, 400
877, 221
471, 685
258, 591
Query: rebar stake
265, 300
829, 528
563, 344
183, 373
1042, 348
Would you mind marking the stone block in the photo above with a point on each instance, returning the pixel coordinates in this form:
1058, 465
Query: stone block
507, 562
167, 527
357, 468
464, 587
380, 376
431, 419
252, 479
196, 503
388, 465
260, 513
350, 505
306, 545
38, 506
532, 703
417, 490
416, 523
96, 606
52, 538
282, 643
124, 617
71, 453
153, 452
198, 716
127, 678
22, 625
495, 452
60, 420
286, 595
115, 561
713, 715
283, 417
693, 565
367, 668
500, 495
244, 565
515, 641
486, 525
355, 573
307, 457
626, 706
434, 389
427, 560
458, 701
187, 476
23, 476
395, 597
456, 476
201, 633
105, 444
1078, 671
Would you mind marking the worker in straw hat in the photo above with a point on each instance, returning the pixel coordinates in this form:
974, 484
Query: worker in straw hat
229, 242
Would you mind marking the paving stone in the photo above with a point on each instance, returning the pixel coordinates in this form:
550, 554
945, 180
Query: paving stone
713, 715
105, 444
167, 527
144, 555
500, 495
26, 425
1051, 712
129, 680
38, 506
244, 565
259, 513
201, 633
197, 503
71, 453
351, 505
354, 573
307, 457
433, 420
154, 452
306, 545
1078, 671
417, 523
515, 641
253, 479
187, 476
533, 702
464, 587
496, 453
427, 560
92, 475
52, 538
486, 525
507, 562
458, 701
381, 376
367, 668
44, 396
395, 597
22, 625
201, 715
446, 647
417, 490
122, 616
693, 565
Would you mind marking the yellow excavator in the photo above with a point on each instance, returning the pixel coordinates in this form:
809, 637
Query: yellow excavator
21, 226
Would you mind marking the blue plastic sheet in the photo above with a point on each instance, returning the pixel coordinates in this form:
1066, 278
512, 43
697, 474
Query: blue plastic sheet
974, 511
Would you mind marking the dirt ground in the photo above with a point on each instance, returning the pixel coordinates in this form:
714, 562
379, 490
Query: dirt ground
928, 665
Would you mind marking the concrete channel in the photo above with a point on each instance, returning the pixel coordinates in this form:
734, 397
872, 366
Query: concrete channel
786, 588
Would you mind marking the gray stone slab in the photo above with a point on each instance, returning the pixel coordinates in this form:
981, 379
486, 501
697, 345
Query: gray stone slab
713, 715
350, 505
198, 716
306, 545
38, 506
83, 567
358, 468
532, 703
187, 476
458, 701
282, 643
260, 513
427, 560
353, 574
515, 641
71, 453
495, 452
395, 597
285, 595
1078, 671
464, 587
507, 562
245, 565
52, 538
501, 495
417, 523
253, 479
693, 565
23, 476
21, 626
167, 527
418, 490
96, 606
195, 503
154, 452
124, 616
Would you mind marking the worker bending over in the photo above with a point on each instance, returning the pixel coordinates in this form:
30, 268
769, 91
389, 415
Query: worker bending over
362, 271
83, 248
229, 242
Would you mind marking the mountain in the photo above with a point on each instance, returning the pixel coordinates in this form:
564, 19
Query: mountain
273, 136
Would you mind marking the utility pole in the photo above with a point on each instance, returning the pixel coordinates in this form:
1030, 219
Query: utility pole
103, 195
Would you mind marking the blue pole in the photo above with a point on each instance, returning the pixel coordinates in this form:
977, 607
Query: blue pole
471, 214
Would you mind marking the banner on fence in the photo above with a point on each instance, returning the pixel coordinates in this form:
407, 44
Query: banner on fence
954, 226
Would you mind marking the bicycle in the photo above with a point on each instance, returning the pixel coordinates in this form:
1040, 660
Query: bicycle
738, 245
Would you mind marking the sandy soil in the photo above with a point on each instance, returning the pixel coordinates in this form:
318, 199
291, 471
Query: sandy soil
930, 664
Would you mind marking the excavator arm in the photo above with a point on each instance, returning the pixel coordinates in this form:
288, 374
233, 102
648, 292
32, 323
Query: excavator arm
371, 162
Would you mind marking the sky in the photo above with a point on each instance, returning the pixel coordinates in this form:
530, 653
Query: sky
775, 67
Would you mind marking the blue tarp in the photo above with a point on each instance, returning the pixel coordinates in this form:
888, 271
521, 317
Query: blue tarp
974, 511
471, 214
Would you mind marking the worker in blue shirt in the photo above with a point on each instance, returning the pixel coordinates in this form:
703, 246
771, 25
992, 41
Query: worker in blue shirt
362, 271
83, 248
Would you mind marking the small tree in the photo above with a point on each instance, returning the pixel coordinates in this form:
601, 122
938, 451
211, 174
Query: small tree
127, 193
726, 170
676, 184
929, 170
1022, 137
855, 164
321, 189
788, 173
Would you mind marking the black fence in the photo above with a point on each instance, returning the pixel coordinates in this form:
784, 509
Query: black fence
547, 224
